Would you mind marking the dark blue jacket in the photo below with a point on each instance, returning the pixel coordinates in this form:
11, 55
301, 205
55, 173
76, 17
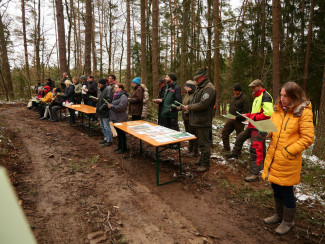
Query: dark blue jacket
69, 94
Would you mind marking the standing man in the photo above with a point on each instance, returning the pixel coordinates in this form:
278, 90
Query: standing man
201, 110
102, 111
84, 96
136, 99
159, 100
262, 109
172, 94
239, 103
111, 82
91, 90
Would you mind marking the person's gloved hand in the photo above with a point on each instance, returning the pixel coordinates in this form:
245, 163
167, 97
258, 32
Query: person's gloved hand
263, 134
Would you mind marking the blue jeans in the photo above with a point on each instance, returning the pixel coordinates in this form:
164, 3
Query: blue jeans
104, 124
284, 193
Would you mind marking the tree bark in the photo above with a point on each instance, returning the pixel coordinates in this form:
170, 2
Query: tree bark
186, 20
216, 53
209, 30
61, 36
128, 43
308, 44
320, 127
276, 10
155, 46
88, 34
93, 46
143, 43
5, 70
25, 47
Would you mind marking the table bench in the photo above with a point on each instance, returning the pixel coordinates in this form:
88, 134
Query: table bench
125, 126
84, 109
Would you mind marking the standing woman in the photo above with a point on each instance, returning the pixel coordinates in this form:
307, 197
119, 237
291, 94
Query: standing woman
77, 90
118, 113
68, 97
144, 114
293, 119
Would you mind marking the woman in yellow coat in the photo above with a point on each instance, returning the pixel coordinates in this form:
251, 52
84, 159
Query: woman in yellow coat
293, 119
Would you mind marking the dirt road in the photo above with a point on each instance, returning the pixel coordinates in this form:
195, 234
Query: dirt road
73, 191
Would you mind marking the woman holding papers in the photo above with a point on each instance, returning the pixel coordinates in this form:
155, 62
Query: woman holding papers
118, 113
293, 119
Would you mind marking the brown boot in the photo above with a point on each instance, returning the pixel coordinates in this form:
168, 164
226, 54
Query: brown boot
287, 221
276, 218
251, 178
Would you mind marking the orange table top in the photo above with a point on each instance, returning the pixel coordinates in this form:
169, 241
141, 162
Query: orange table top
83, 108
125, 126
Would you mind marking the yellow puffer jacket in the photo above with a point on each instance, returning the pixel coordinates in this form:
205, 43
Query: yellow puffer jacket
283, 160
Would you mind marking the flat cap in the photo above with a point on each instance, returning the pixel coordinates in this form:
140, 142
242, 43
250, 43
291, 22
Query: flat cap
256, 83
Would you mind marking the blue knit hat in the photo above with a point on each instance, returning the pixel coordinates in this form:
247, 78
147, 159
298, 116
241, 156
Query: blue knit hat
137, 80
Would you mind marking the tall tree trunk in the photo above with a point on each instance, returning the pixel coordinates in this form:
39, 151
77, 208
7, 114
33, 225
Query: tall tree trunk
25, 46
93, 45
262, 46
110, 38
88, 33
128, 43
155, 46
216, 23
143, 43
186, 20
276, 15
69, 15
100, 5
5, 70
209, 30
308, 44
172, 35
61, 36
320, 128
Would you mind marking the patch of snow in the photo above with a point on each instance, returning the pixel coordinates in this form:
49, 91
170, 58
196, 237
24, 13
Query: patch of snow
314, 160
303, 194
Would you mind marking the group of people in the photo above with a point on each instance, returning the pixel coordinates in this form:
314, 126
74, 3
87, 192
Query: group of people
281, 164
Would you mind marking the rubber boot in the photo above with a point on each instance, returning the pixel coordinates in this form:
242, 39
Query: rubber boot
276, 218
287, 221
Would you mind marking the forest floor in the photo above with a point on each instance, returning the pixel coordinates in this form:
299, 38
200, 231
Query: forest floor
74, 191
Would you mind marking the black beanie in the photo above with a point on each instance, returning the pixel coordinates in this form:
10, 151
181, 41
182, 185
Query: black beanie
102, 81
172, 76
237, 87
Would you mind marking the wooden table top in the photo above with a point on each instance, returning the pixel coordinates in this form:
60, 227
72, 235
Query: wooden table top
83, 108
125, 127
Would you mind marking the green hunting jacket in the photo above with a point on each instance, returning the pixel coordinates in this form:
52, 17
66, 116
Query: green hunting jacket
202, 105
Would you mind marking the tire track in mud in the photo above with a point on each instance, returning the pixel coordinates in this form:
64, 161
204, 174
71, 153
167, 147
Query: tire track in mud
75, 196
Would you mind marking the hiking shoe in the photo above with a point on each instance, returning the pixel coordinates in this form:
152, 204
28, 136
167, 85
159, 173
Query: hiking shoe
274, 219
102, 142
43, 118
202, 169
251, 178
107, 144
116, 149
231, 156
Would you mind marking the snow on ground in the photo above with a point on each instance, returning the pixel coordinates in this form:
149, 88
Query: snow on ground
314, 160
303, 193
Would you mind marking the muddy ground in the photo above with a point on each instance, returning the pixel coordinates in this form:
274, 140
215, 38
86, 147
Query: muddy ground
74, 191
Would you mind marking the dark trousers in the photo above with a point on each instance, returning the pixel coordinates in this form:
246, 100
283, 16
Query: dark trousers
171, 123
72, 115
204, 145
54, 111
41, 108
229, 127
257, 149
193, 144
284, 193
77, 98
121, 140
136, 117
91, 102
